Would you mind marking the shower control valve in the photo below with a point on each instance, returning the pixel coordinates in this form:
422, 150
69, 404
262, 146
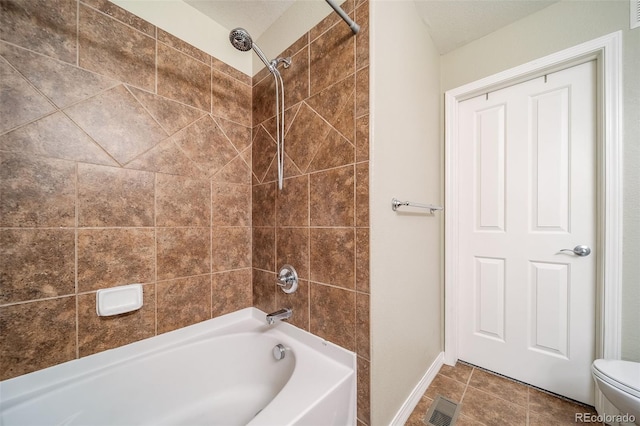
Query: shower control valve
288, 279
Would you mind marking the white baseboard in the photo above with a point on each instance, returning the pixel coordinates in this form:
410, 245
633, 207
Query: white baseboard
405, 411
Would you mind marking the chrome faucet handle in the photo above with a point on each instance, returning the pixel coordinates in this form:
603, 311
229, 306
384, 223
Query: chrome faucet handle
288, 279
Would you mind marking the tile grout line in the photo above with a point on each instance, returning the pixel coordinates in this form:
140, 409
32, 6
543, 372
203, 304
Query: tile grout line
528, 420
308, 265
211, 269
155, 60
155, 253
78, 33
509, 379
76, 263
466, 386
528, 411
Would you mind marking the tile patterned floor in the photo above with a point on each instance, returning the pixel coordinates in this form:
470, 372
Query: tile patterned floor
491, 400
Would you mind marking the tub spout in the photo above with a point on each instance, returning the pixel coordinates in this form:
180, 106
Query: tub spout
280, 315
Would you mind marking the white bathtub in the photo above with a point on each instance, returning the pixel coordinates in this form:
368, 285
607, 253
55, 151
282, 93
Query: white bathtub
218, 372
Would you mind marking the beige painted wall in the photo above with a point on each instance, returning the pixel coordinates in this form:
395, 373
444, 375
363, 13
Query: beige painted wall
405, 245
555, 28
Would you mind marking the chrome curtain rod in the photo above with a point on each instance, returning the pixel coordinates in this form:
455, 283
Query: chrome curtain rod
354, 27
395, 203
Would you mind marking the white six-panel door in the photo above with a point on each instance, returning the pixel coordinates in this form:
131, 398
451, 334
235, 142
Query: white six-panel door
527, 191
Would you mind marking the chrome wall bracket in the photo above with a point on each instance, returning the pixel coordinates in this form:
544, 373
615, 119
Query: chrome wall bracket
288, 279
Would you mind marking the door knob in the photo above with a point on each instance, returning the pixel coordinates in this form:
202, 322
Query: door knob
579, 250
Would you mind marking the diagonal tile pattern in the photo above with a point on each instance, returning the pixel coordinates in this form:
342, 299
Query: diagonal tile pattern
319, 131
118, 122
206, 145
129, 156
333, 151
239, 135
333, 100
319, 221
304, 136
166, 157
55, 136
111, 171
44, 72
236, 171
264, 152
171, 115
19, 101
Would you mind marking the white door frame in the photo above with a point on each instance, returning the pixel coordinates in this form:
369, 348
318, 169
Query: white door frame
607, 51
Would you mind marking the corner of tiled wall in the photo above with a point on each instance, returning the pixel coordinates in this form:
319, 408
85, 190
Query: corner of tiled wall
319, 221
124, 158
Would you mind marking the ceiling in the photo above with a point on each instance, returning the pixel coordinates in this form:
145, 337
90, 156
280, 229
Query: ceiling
454, 23
451, 23
256, 16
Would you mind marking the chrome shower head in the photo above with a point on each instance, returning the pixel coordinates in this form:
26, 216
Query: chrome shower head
240, 39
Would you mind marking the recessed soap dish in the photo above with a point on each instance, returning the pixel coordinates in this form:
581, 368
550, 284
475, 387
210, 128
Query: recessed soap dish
118, 300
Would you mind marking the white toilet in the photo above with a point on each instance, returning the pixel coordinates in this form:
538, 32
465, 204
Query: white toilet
619, 382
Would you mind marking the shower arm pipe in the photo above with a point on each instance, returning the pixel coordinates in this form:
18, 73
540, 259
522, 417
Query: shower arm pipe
354, 27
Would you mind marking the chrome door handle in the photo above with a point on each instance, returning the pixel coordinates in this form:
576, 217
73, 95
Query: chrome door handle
580, 250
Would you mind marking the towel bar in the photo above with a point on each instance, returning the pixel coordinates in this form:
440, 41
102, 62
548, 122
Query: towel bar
395, 203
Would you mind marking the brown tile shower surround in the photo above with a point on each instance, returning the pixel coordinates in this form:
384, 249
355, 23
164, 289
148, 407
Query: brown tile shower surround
124, 158
127, 155
492, 400
319, 221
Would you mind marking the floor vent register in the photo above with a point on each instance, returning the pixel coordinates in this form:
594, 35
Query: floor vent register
443, 412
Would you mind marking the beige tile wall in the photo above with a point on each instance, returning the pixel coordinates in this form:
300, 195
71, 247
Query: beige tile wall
124, 158
319, 222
